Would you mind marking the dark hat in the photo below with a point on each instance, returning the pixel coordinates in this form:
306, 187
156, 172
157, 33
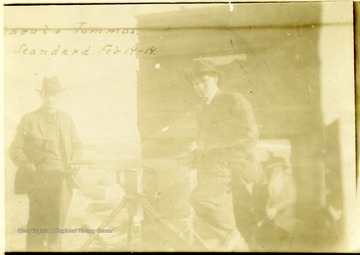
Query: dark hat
201, 67
274, 162
51, 85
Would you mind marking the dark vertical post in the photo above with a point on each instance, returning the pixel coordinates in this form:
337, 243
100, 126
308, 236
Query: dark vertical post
357, 81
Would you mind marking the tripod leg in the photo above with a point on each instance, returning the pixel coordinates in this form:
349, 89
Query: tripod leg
129, 236
199, 241
104, 224
173, 233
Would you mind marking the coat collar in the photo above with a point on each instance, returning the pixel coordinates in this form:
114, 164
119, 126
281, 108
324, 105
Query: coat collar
44, 116
215, 100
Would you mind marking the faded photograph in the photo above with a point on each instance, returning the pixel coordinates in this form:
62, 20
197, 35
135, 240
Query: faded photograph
180, 127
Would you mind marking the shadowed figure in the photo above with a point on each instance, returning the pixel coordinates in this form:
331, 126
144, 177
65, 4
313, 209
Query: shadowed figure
278, 229
45, 144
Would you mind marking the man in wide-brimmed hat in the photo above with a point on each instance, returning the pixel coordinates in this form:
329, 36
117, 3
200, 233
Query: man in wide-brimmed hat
227, 134
50, 92
43, 148
279, 229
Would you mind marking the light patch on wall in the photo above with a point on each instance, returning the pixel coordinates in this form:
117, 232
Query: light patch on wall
225, 60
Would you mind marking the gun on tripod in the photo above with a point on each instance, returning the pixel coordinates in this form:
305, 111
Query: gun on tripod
134, 199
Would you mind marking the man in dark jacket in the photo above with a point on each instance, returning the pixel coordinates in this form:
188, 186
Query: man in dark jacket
43, 148
227, 134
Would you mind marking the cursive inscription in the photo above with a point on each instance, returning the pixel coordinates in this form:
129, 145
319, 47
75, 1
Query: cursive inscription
107, 49
81, 29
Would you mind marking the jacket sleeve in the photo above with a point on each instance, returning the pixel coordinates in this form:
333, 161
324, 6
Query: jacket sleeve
75, 143
241, 156
246, 132
16, 149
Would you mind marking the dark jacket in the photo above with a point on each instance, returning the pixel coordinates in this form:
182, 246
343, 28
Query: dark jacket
228, 135
30, 141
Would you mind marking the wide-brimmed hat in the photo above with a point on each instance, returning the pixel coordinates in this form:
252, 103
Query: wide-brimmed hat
274, 161
51, 85
201, 67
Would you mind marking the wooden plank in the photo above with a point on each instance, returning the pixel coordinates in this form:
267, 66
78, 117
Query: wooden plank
133, 164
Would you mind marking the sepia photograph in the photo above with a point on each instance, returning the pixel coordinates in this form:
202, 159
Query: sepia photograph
213, 127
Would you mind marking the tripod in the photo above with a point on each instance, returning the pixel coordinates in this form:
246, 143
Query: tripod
137, 204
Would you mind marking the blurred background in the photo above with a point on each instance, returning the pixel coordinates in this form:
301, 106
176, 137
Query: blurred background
127, 94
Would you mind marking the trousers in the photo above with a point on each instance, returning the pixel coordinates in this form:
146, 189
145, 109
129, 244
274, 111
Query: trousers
49, 202
212, 199
246, 211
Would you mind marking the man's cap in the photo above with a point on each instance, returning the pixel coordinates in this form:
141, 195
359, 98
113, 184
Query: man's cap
51, 85
274, 161
201, 67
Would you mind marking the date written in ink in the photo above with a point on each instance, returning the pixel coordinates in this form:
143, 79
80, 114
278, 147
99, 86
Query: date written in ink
89, 50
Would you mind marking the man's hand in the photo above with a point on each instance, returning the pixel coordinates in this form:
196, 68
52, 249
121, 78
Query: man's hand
271, 213
186, 159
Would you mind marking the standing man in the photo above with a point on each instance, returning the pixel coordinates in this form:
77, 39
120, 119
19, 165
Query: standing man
43, 148
227, 135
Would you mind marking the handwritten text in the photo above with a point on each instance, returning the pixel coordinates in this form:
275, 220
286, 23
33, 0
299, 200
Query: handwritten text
81, 29
107, 49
